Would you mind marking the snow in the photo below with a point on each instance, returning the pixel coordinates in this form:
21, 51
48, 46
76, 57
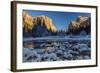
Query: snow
86, 57
59, 51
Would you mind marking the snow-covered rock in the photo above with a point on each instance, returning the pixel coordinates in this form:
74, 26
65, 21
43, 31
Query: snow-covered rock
80, 46
86, 57
79, 57
70, 50
75, 53
59, 53
53, 56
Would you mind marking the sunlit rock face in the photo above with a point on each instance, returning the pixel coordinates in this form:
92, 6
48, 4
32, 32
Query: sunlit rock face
81, 19
44, 21
27, 21
37, 24
82, 23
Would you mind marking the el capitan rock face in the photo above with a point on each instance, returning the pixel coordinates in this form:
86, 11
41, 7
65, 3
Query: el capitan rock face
37, 26
44, 21
81, 24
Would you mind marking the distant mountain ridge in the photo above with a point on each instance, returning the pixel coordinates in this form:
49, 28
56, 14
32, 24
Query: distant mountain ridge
82, 23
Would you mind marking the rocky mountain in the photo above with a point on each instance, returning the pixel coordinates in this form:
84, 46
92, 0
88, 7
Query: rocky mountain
43, 26
37, 26
27, 22
82, 23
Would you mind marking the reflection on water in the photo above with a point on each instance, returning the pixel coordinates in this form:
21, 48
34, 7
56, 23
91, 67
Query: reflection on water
34, 51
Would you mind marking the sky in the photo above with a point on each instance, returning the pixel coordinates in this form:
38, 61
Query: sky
61, 20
